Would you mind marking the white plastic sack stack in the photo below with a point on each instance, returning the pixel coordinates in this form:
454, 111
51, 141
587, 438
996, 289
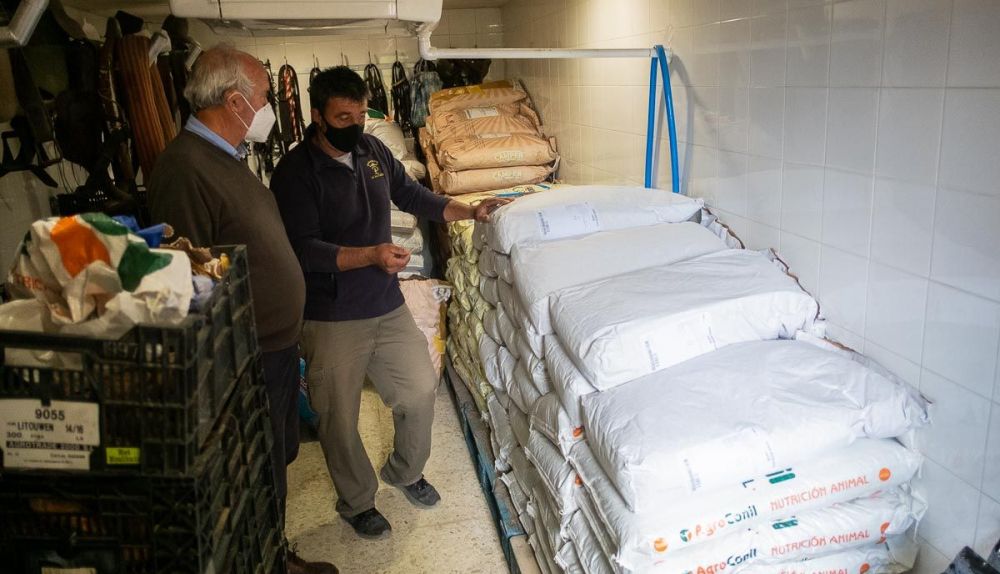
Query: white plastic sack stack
779, 403
391, 135
541, 269
642, 538
579, 210
662, 316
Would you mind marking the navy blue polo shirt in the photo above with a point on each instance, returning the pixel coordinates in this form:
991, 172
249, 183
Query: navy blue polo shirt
326, 205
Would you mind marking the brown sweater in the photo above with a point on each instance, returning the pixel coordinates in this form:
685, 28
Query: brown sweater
214, 199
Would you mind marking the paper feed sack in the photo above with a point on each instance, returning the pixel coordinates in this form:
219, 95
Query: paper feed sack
755, 407
619, 329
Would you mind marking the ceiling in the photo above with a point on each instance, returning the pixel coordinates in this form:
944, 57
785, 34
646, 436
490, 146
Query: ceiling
160, 8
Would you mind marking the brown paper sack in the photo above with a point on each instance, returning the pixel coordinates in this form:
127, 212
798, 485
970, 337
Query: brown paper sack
486, 152
458, 182
488, 94
441, 121
491, 126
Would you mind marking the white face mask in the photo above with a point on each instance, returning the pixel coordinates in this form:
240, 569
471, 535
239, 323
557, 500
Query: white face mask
261, 124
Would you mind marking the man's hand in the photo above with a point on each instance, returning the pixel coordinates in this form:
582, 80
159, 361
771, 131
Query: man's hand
390, 258
488, 206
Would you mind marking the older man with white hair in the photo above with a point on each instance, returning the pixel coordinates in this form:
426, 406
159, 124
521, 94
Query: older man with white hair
201, 186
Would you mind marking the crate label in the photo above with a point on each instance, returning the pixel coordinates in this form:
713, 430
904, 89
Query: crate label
59, 436
51, 570
122, 455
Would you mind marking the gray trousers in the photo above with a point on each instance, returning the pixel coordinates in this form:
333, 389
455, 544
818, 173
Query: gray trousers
392, 351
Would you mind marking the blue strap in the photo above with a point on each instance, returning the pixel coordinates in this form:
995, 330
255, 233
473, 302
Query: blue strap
661, 58
651, 124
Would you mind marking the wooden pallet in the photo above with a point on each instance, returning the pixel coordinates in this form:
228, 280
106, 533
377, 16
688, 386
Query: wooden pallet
513, 539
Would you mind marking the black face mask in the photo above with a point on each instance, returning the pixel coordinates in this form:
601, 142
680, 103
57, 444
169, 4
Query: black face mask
344, 139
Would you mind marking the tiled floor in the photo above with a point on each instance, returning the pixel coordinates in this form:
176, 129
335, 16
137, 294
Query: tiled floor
457, 536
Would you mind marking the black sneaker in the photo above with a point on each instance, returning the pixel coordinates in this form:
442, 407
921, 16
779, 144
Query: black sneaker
369, 524
420, 493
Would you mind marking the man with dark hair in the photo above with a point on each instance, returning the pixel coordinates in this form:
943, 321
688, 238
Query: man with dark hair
333, 191
202, 188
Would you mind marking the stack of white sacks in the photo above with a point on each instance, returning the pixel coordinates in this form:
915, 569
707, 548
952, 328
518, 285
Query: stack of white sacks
663, 400
467, 309
406, 234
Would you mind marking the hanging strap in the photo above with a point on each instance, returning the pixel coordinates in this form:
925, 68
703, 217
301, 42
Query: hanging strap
401, 103
660, 60
376, 89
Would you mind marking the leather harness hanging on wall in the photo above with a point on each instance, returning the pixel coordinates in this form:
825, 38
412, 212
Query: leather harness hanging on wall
268, 153
32, 128
289, 106
401, 104
376, 89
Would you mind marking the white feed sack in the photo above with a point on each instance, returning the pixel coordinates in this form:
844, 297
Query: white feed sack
567, 382
558, 477
522, 471
517, 495
535, 368
775, 404
508, 333
487, 263
568, 559
489, 358
489, 290
684, 521
579, 210
541, 269
550, 419
402, 222
621, 328
894, 556
608, 544
520, 423
862, 522
501, 431
492, 325
556, 525
591, 558
503, 266
391, 135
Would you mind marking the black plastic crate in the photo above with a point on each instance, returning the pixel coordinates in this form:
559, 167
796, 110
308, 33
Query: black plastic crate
157, 390
223, 518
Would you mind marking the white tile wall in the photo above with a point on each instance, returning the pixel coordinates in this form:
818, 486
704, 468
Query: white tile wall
870, 131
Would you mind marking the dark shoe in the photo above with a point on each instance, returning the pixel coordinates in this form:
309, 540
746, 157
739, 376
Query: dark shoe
420, 492
369, 524
297, 565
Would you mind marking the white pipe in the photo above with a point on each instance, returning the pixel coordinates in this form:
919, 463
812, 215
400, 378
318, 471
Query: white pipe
429, 52
22, 25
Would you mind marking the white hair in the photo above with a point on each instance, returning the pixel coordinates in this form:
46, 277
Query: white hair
217, 71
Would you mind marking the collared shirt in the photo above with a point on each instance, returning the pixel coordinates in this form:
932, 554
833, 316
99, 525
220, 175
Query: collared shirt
196, 126
325, 205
